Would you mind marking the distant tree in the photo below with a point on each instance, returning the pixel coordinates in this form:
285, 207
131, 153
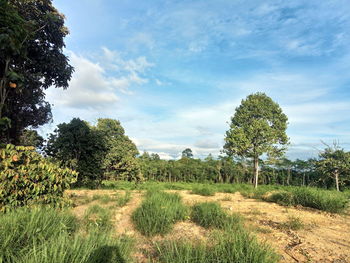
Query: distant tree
31, 138
334, 162
31, 60
77, 146
187, 153
119, 161
155, 156
258, 127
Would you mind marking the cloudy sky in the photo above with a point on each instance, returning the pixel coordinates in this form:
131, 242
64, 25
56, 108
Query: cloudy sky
173, 72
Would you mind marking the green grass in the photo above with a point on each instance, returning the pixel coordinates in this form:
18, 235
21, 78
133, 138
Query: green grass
210, 214
52, 236
326, 200
124, 199
204, 190
98, 217
223, 247
104, 199
158, 212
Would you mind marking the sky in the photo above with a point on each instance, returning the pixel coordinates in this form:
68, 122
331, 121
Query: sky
173, 72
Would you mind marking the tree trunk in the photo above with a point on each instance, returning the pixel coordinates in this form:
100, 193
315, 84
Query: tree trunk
288, 176
336, 175
256, 171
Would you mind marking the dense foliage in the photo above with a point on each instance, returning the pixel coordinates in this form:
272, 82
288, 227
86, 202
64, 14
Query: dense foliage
96, 152
257, 127
27, 178
31, 60
229, 170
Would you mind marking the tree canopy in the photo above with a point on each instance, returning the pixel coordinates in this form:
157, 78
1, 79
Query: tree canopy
31, 60
258, 127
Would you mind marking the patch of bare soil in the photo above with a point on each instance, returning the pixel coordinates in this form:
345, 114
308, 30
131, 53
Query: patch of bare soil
323, 238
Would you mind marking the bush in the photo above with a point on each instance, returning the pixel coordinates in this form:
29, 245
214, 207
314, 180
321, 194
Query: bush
28, 178
205, 191
210, 214
158, 212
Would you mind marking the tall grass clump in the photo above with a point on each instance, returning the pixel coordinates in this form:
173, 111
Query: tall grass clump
94, 248
325, 200
98, 217
158, 212
210, 214
124, 199
330, 201
21, 229
223, 247
53, 236
204, 190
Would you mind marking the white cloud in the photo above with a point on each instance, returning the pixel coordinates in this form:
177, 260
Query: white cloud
92, 87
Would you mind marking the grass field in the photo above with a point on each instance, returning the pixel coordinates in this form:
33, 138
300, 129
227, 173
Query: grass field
182, 222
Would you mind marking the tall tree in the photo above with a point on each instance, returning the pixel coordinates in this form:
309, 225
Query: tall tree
334, 162
258, 127
77, 146
120, 155
31, 60
187, 153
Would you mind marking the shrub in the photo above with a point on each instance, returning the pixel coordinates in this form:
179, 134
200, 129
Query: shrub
28, 178
210, 214
158, 212
205, 191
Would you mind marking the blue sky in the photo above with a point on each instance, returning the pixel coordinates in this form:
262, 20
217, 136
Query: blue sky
173, 72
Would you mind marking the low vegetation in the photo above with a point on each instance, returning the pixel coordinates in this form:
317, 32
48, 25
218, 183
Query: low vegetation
124, 199
49, 235
98, 217
204, 190
158, 212
210, 214
27, 179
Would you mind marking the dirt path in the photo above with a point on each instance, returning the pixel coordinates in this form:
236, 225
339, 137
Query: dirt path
324, 237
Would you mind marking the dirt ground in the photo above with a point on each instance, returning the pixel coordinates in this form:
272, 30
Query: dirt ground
324, 237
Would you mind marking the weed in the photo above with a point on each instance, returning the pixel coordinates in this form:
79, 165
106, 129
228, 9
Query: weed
293, 223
